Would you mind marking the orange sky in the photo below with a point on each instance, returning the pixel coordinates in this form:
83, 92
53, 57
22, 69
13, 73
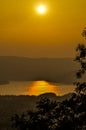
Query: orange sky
23, 32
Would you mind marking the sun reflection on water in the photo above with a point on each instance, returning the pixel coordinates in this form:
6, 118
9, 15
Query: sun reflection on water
35, 88
40, 87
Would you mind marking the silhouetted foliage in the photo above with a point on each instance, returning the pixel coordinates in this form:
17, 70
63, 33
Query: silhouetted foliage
51, 115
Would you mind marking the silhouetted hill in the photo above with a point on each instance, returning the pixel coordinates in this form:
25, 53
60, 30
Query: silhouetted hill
53, 96
60, 70
10, 105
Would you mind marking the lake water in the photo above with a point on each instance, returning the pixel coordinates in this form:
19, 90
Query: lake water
35, 88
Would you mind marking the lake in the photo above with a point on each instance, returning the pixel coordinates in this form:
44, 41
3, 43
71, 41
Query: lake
35, 88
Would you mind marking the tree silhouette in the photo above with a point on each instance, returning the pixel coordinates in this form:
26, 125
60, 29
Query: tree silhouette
51, 115
41, 119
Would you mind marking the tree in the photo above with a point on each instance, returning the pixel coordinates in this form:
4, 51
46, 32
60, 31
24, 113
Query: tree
81, 59
41, 119
75, 118
81, 86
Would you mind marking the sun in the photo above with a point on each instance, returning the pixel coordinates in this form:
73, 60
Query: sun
41, 9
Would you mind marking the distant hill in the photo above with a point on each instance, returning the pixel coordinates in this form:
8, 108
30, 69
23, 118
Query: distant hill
61, 70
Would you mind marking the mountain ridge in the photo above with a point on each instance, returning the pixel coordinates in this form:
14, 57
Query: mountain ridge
60, 70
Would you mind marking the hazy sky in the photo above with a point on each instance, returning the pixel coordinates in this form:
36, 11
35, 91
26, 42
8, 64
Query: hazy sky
24, 32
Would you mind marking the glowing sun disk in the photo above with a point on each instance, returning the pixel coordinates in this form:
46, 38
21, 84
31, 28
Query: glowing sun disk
41, 9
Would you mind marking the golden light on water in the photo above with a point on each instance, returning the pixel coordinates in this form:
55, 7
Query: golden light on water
35, 88
40, 87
